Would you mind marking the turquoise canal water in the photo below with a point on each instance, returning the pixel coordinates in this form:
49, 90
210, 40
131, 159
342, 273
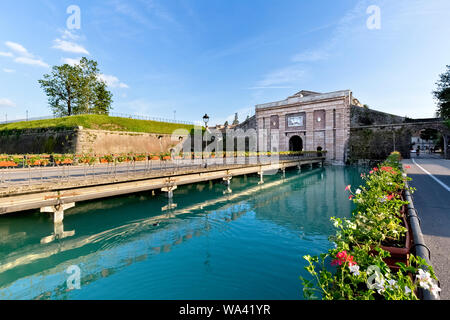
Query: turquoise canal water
245, 245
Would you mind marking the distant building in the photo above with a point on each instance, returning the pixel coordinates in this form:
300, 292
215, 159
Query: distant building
417, 141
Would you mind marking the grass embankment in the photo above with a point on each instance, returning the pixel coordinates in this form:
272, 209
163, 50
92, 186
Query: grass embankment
97, 122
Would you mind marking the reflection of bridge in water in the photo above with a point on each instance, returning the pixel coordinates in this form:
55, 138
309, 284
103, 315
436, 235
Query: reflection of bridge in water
136, 244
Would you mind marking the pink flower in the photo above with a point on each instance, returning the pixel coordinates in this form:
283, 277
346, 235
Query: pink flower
342, 258
348, 187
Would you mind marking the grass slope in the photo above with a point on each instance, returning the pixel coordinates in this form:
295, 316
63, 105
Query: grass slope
97, 122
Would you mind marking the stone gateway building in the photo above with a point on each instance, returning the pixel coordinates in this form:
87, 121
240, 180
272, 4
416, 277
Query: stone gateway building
307, 121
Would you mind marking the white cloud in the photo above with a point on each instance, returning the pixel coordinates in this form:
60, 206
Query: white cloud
71, 61
6, 103
18, 48
31, 61
68, 46
311, 56
6, 54
69, 35
9, 70
24, 57
285, 76
112, 81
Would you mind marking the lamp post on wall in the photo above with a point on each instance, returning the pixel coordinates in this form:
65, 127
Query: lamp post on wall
205, 120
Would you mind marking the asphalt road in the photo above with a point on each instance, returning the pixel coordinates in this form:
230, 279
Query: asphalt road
432, 201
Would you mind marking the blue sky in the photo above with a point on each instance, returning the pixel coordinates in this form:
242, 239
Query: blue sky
221, 57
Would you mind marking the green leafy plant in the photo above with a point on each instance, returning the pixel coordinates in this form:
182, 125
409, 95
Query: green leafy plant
356, 268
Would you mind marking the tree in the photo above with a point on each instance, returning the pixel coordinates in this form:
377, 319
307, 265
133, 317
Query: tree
429, 134
76, 89
103, 99
442, 94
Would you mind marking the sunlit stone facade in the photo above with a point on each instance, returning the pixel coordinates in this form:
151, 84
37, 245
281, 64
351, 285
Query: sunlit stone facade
307, 121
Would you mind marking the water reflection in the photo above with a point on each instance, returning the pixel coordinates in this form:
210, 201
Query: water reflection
115, 234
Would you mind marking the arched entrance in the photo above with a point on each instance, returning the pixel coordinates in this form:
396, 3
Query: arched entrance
295, 143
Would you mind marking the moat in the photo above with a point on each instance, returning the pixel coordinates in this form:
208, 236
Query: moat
247, 244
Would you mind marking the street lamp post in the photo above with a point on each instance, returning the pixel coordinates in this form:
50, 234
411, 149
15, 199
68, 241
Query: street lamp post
205, 120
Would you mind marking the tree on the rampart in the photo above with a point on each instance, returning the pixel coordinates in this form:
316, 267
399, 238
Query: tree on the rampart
442, 94
76, 89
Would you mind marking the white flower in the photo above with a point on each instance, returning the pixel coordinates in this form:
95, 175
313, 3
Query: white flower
350, 224
358, 191
424, 279
379, 286
426, 282
407, 290
392, 284
336, 223
354, 269
435, 290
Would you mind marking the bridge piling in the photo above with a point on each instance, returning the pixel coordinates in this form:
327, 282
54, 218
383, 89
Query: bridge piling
58, 211
227, 181
261, 177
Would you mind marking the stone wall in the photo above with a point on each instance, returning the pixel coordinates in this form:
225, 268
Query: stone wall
105, 142
361, 116
38, 141
85, 141
378, 143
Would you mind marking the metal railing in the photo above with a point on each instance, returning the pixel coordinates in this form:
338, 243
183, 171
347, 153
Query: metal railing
111, 114
14, 180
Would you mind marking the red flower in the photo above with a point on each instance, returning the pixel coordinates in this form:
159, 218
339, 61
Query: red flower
389, 170
375, 169
350, 197
407, 167
342, 258
390, 197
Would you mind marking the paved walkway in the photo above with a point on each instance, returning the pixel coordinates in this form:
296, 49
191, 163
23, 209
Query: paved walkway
431, 178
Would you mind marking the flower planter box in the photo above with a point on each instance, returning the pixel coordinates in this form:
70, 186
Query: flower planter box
399, 254
65, 161
167, 158
8, 164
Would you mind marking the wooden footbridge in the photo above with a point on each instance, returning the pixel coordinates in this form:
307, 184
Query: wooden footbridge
59, 195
